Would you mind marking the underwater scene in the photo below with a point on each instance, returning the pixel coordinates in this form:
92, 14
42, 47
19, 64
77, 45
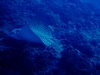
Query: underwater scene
49, 37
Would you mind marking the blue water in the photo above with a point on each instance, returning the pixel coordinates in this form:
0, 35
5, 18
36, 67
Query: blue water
95, 3
50, 37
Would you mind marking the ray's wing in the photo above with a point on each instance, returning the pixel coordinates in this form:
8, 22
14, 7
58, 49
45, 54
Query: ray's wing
42, 31
45, 34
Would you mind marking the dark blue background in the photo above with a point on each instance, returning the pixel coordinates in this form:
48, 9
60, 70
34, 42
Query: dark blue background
74, 23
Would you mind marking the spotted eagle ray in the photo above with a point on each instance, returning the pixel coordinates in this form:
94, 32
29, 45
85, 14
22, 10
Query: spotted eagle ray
38, 32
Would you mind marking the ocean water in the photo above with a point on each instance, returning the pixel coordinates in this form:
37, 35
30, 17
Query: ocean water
95, 3
50, 37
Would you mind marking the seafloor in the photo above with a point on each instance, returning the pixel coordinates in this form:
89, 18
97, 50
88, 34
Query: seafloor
76, 25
